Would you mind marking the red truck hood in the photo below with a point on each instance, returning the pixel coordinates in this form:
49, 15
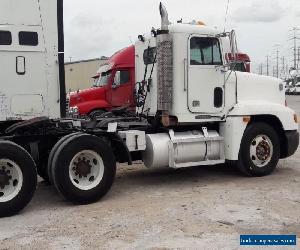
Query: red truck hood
96, 93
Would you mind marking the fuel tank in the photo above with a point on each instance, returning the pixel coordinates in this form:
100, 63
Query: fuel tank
167, 150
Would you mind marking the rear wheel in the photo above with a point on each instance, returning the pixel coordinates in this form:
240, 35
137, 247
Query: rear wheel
84, 169
260, 150
18, 178
53, 151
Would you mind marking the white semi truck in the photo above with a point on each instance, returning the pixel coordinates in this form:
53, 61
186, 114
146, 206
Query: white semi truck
192, 109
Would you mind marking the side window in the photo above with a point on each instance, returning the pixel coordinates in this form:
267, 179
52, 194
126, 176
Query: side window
121, 77
205, 51
28, 38
124, 77
149, 55
5, 37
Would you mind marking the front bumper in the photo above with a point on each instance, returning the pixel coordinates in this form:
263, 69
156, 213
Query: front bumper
292, 143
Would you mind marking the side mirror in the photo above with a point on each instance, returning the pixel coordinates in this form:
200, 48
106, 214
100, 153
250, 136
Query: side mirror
233, 45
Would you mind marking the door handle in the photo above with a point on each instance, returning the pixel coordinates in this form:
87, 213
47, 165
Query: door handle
20, 65
185, 74
218, 97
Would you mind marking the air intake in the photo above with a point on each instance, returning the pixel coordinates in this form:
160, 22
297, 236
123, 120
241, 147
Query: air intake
164, 64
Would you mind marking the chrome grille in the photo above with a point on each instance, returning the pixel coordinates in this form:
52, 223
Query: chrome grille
67, 104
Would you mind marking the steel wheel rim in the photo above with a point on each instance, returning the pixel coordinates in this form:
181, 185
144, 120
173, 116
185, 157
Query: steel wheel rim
261, 150
11, 180
86, 170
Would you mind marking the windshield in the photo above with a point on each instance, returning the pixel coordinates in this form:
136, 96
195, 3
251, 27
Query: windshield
103, 79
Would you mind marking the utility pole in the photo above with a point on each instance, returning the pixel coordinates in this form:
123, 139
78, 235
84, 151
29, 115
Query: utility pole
260, 69
295, 29
283, 66
277, 61
298, 57
267, 64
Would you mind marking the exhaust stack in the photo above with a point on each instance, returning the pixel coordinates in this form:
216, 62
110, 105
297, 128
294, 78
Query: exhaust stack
164, 17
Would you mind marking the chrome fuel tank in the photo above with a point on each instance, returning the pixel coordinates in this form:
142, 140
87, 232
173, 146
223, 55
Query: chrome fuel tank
174, 149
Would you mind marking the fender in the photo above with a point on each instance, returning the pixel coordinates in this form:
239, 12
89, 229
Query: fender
232, 130
86, 107
234, 127
251, 108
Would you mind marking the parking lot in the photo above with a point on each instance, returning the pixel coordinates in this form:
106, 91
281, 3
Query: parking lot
194, 208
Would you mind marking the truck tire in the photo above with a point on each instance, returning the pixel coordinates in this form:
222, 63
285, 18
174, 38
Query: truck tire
18, 178
84, 169
94, 114
53, 151
259, 151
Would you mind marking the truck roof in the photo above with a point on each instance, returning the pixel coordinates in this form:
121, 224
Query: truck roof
124, 58
193, 28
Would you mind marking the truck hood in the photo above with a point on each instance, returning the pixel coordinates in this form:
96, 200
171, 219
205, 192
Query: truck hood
253, 87
95, 93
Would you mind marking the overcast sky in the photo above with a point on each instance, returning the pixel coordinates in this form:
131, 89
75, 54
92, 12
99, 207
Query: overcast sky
95, 28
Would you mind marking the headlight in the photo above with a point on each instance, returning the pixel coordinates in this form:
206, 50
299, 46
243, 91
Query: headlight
73, 110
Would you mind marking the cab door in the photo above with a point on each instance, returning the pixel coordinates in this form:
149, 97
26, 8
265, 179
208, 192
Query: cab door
121, 88
205, 79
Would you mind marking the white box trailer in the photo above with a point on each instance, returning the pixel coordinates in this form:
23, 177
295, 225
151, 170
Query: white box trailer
192, 109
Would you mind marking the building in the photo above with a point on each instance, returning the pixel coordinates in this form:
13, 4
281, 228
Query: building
79, 73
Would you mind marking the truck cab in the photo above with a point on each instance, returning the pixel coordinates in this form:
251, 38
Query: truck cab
194, 84
113, 87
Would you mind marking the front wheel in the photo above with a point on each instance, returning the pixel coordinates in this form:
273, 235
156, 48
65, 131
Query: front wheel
259, 151
84, 168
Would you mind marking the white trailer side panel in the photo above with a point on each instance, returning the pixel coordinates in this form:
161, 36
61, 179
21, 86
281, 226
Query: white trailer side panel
29, 63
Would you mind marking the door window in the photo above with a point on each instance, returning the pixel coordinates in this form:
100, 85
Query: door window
103, 79
205, 51
121, 77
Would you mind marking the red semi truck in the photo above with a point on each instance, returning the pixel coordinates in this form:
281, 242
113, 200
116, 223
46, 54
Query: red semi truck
114, 85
